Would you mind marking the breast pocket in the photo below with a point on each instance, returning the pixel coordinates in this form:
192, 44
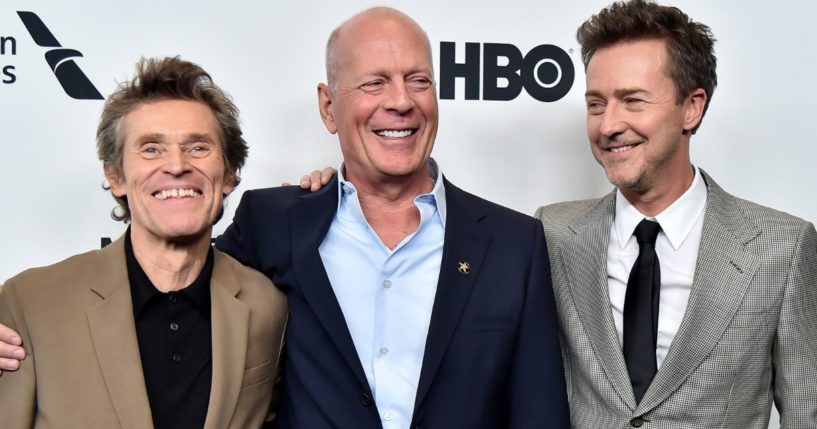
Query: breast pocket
257, 374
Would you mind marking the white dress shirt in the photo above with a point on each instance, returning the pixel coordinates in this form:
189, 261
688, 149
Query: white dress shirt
387, 295
677, 249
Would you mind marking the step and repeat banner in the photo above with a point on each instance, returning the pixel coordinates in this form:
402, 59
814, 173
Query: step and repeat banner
512, 115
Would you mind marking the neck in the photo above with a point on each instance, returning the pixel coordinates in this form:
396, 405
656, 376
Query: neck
389, 206
657, 198
170, 266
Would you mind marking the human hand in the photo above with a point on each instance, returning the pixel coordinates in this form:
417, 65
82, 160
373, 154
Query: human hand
316, 180
11, 350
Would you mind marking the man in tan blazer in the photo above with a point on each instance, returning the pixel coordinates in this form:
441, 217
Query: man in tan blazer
158, 329
731, 287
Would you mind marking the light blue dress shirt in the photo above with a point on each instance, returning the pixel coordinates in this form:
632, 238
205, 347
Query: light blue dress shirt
387, 295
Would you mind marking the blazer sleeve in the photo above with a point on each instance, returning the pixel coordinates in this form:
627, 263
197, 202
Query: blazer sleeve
238, 240
18, 398
537, 393
795, 347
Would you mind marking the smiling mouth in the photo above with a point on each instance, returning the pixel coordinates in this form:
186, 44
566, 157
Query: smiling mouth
620, 149
396, 134
176, 193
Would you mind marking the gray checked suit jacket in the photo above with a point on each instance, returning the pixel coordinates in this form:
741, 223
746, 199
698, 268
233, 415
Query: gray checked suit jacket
748, 338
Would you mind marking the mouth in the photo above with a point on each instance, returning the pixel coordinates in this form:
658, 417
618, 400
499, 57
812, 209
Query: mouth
619, 149
177, 193
396, 134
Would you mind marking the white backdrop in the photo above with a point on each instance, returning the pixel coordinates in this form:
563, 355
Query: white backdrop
755, 139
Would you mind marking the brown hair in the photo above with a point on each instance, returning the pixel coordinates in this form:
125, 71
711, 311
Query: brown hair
169, 78
690, 44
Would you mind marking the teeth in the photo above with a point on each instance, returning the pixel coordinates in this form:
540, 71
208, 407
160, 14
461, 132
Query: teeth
622, 148
395, 134
176, 193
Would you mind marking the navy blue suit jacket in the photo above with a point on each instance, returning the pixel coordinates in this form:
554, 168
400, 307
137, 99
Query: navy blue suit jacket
492, 357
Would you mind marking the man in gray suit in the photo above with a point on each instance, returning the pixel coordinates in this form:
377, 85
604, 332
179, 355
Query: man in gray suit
706, 314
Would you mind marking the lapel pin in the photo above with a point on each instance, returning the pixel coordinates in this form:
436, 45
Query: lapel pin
464, 267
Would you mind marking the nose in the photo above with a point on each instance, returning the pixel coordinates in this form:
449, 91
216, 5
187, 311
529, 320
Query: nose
398, 98
176, 162
612, 121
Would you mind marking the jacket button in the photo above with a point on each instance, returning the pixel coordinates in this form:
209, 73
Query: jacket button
637, 422
366, 400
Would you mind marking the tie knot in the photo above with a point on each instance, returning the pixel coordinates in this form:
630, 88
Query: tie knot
647, 231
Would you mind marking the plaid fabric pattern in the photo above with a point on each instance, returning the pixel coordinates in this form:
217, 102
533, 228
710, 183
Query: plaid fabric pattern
748, 338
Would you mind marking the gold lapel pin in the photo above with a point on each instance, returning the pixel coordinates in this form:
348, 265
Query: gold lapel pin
464, 267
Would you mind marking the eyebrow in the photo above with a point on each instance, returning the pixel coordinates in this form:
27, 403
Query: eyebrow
188, 138
619, 93
194, 137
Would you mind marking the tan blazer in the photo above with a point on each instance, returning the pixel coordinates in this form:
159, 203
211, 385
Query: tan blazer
84, 369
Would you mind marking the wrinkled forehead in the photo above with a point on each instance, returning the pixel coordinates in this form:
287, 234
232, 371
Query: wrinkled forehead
383, 41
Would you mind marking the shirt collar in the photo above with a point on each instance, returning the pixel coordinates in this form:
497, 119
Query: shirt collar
676, 220
143, 290
437, 192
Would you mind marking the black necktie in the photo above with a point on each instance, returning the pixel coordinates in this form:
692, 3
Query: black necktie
641, 310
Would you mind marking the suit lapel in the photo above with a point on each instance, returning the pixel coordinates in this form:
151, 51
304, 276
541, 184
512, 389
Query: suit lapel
311, 218
465, 240
113, 332
584, 258
230, 326
723, 273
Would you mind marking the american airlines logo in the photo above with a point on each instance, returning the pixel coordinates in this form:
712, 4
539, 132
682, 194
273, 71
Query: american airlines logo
75, 83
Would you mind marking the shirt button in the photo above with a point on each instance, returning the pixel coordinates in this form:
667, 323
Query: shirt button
386, 284
174, 326
387, 417
173, 298
384, 351
177, 358
366, 400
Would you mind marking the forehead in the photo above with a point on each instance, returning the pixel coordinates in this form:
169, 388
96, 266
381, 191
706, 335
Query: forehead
629, 64
170, 118
382, 44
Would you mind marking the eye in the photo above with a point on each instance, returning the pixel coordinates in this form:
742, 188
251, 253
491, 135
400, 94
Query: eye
420, 83
595, 107
150, 150
373, 86
199, 150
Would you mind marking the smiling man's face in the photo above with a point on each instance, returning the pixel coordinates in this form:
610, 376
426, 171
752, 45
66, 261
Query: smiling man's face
383, 105
635, 120
173, 171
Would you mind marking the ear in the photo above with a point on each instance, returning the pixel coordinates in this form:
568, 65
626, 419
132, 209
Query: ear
116, 180
229, 183
694, 108
325, 107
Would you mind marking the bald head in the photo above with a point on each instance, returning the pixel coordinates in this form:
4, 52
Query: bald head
373, 19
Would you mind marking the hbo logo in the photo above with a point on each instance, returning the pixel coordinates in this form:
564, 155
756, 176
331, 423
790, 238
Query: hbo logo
546, 72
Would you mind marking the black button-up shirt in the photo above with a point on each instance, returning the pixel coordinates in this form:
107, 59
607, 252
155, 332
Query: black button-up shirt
175, 344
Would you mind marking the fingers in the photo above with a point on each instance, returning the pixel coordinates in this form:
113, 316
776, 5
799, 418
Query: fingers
327, 174
315, 180
11, 356
311, 181
9, 365
285, 183
11, 351
9, 337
